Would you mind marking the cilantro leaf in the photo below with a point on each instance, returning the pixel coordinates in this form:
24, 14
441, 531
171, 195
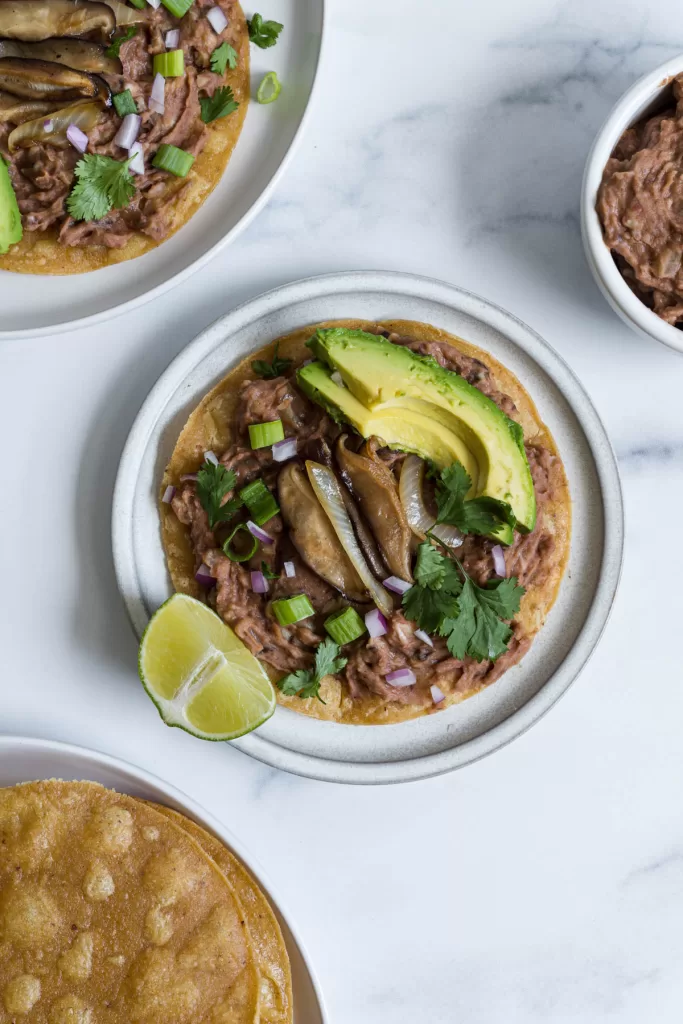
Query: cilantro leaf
271, 370
213, 483
221, 104
113, 50
265, 569
435, 594
482, 515
306, 682
103, 184
264, 33
430, 567
224, 56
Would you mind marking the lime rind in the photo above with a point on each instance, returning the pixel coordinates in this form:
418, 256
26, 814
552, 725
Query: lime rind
227, 687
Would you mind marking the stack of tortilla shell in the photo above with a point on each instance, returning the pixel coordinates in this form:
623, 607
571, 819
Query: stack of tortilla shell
117, 911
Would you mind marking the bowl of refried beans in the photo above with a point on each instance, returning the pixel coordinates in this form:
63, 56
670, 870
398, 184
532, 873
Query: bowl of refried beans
632, 206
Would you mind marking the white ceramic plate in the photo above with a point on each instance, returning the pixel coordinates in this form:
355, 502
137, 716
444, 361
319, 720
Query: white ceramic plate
33, 306
466, 732
23, 760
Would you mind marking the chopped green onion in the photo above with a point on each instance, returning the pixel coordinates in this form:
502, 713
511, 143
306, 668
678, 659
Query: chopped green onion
177, 7
259, 501
345, 626
124, 103
240, 556
140, 4
289, 610
269, 89
262, 435
175, 161
170, 64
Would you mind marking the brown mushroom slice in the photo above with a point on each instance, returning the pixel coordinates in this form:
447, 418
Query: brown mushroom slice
374, 487
84, 115
47, 80
16, 111
312, 534
75, 53
35, 20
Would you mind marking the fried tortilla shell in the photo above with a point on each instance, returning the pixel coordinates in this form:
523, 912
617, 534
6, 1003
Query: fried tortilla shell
210, 427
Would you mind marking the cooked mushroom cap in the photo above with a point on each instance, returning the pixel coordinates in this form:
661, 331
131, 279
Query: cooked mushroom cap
35, 20
47, 80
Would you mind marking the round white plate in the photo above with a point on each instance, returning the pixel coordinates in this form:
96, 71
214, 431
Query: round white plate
24, 760
466, 732
33, 306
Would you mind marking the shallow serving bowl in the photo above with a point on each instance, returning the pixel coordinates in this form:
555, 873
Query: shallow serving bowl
24, 759
647, 93
451, 738
37, 305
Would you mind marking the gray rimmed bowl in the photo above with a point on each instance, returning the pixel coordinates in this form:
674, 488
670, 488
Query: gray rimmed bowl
466, 732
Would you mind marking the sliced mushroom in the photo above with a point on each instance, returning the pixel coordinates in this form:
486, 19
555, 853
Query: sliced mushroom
34, 20
312, 534
16, 111
374, 487
84, 115
47, 80
75, 53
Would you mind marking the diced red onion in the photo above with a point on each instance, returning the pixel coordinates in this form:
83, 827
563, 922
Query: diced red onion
217, 19
128, 132
260, 534
437, 695
499, 560
172, 39
396, 585
77, 138
401, 677
156, 4
156, 97
375, 623
338, 379
137, 154
188, 476
203, 576
211, 457
48, 125
424, 637
290, 570
259, 583
168, 495
283, 450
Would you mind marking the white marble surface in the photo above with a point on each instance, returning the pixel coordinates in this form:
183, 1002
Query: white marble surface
545, 883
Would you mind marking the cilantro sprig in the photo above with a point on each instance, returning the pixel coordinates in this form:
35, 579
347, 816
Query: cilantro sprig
213, 483
264, 34
306, 682
445, 600
481, 515
224, 56
221, 104
114, 48
103, 184
271, 370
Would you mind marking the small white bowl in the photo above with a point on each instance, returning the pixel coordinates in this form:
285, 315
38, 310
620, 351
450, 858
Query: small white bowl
646, 93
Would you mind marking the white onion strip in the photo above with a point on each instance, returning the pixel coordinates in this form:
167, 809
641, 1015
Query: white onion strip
128, 132
137, 158
217, 20
156, 97
326, 488
419, 519
172, 39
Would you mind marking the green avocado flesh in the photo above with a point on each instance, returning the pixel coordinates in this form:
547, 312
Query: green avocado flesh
414, 405
10, 218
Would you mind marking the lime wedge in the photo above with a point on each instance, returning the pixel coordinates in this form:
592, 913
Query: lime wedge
200, 675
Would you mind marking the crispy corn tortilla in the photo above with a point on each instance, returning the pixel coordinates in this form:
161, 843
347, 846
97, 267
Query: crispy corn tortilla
209, 427
270, 952
110, 913
40, 252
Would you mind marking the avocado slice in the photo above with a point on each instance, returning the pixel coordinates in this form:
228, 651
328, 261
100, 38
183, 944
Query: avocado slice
415, 405
10, 217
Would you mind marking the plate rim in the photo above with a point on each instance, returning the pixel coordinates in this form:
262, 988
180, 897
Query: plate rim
195, 810
591, 425
112, 312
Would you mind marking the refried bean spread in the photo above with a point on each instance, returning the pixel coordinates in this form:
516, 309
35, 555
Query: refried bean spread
640, 205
